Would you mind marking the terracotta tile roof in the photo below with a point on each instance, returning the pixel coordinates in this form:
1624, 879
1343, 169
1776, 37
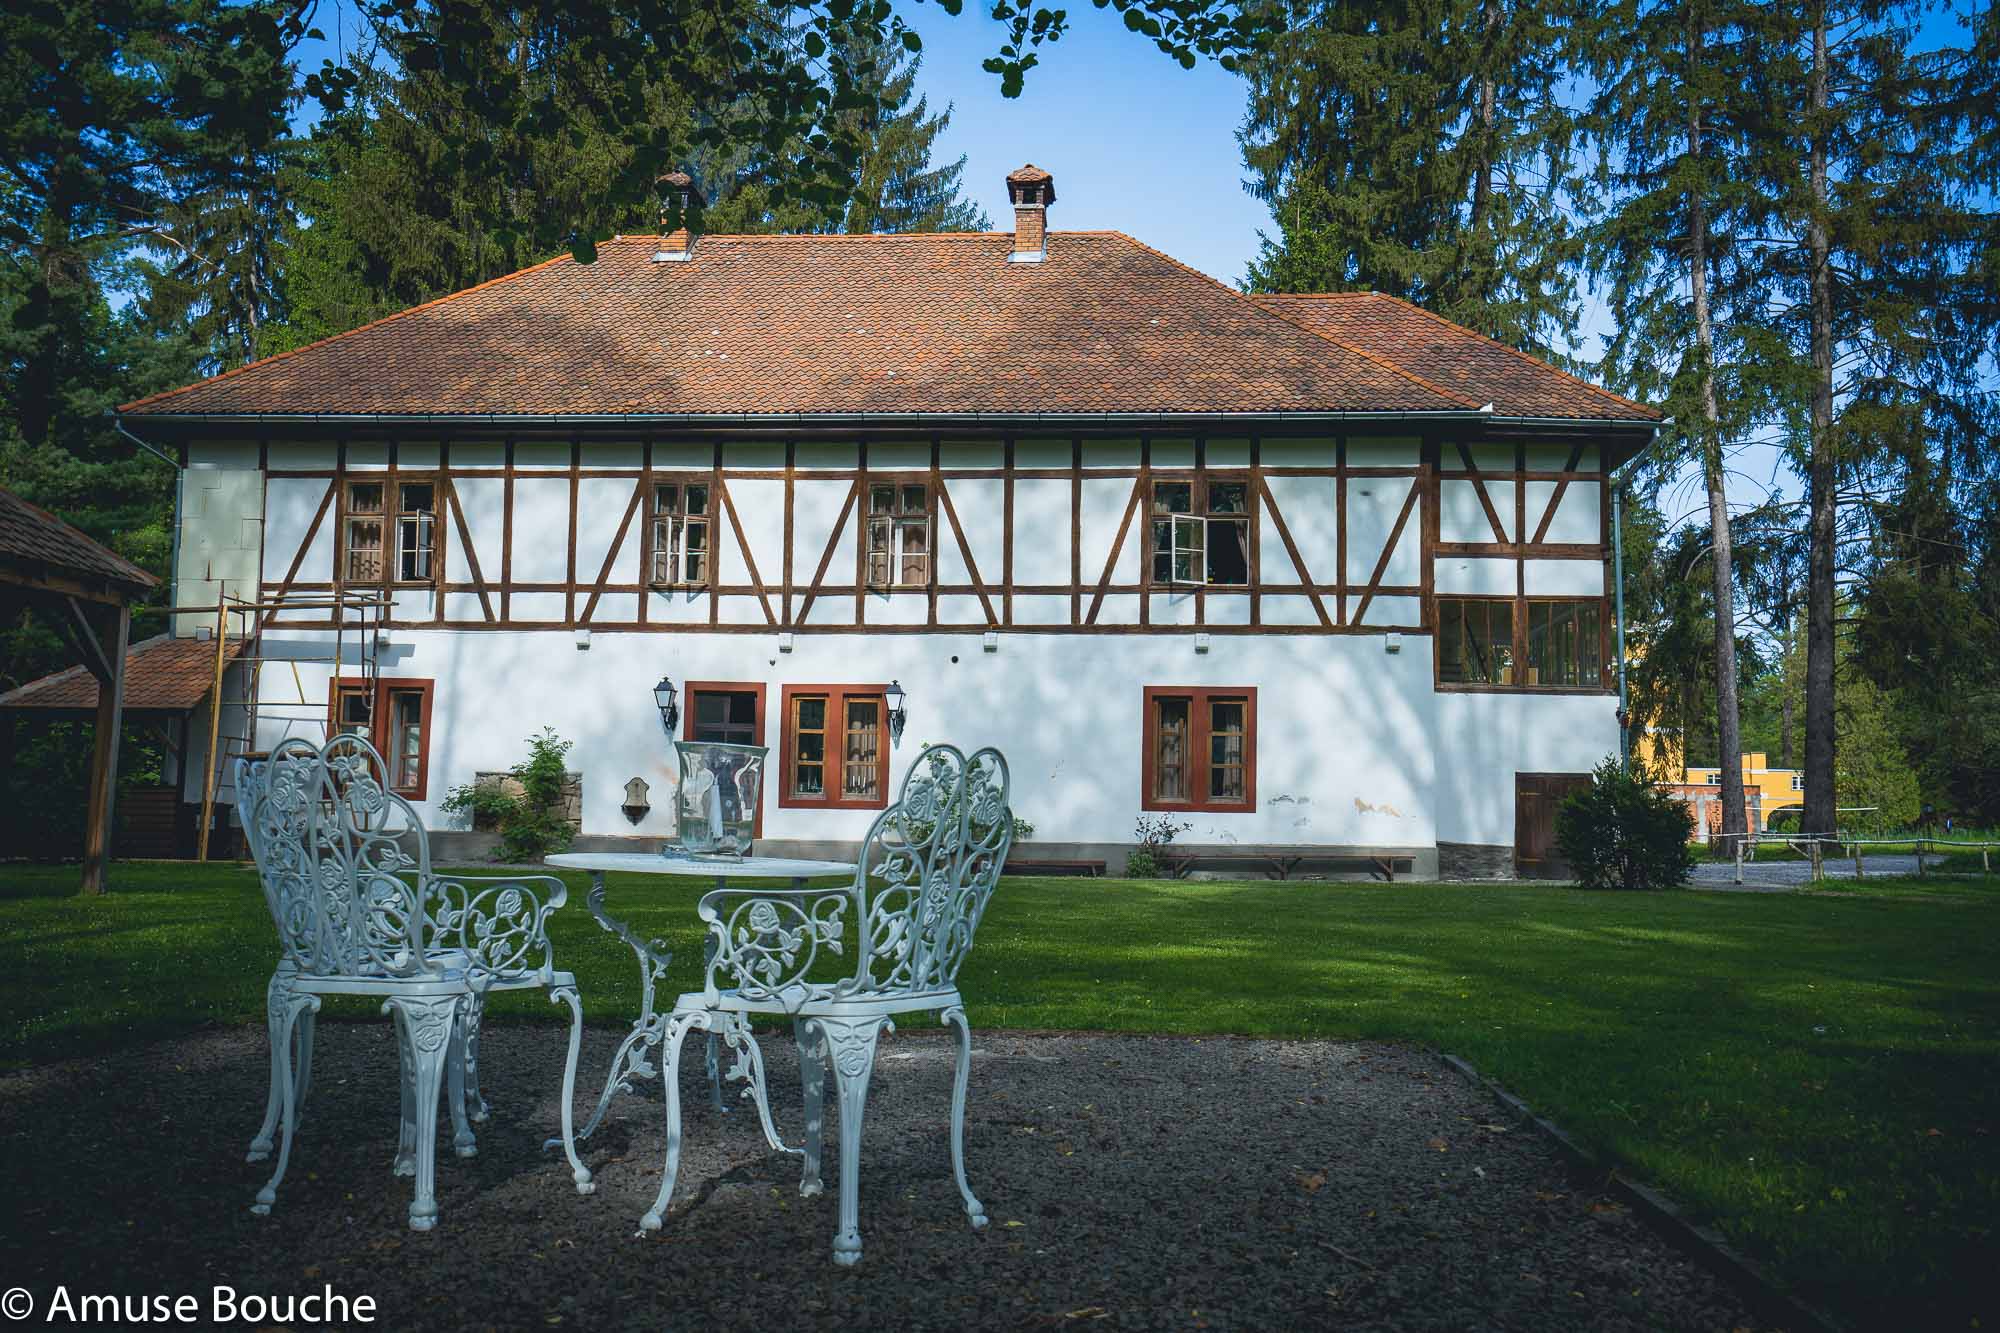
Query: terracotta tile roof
1453, 356
876, 325
162, 673
38, 541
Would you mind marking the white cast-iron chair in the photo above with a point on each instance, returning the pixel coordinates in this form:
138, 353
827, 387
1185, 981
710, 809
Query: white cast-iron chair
927, 869
346, 871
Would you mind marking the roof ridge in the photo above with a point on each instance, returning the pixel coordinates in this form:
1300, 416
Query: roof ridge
1529, 357
346, 333
1386, 364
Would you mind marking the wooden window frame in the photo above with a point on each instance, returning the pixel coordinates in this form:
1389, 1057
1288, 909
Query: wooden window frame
837, 697
898, 520
391, 516
1200, 730
384, 686
680, 521
1198, 483
690, 688
1606, 668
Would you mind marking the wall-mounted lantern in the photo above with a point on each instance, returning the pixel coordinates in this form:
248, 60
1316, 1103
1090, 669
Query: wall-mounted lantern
668, 700
636, 805
893, 697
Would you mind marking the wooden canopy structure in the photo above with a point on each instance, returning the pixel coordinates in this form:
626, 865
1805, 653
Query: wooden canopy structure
87, 591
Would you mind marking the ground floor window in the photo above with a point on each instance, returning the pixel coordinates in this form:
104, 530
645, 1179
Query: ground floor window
724, 713
1201, 749
394, 716
835, 748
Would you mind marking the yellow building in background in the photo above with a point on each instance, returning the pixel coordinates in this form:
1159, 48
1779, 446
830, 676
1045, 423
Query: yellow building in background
1767, 791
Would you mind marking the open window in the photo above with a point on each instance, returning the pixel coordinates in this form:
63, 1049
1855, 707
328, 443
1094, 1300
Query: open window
1201, 749
1201, 532
680, 534
390, 532
899, 535
835, 748
394, 716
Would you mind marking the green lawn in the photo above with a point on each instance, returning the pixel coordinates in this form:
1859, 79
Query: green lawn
1817, 1073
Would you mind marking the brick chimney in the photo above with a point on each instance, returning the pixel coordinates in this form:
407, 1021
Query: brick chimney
676, 188
1031, 190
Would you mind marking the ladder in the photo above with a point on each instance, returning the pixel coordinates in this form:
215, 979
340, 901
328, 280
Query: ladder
357, 617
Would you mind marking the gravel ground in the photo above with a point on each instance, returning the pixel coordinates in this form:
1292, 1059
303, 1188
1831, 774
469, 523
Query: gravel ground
1773, 876
1132, 1182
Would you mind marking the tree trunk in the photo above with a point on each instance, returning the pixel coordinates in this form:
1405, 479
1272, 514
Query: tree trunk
1819, 804
1482, 180
1728, 728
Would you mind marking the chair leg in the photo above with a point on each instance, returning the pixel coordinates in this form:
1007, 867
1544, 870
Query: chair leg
475, 1102
749, 1065
405, 1163
853, 1049
812, 1077
308, 1024
712, 1066
430, 1022
462, 1141
677, 1030
578, 1171
955, 1017
260, 1146
285, 1005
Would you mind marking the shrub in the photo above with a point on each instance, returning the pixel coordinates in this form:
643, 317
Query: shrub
1624, 831
531, 823
1143, 861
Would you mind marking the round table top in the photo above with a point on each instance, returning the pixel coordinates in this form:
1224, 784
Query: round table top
652, 863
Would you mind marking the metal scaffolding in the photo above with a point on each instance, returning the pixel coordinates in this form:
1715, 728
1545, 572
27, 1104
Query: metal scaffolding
357, 616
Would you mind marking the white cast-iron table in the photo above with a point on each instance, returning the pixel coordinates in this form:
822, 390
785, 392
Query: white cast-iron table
632, 1060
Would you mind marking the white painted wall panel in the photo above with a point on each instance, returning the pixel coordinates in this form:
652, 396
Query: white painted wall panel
1042, 453
1309, 507
1227, 451
974, 453
1110, 453
478, 453
541, 531
413, 604
1291, 610
677, 608
1299, 453
1461, 576
412, 455
1386, 611
296, 457
1226, 608
1577, 517
1372, 506
1040, 608
1172, 608
537, 606
964, 610
289, 506
685, 455
600, 505
484, 501
898, 608
540, 456
1104, 504
1041, 531
1491, 737
367, 456
981, 505
899, 456
1119, 608
1392, 452
815, 506
760, 504
1461, 518
626, 454
757, 455
813, 455
464, 606
741, 610
1172, 452
615, 608
1502, 495
1565, 578
231, 455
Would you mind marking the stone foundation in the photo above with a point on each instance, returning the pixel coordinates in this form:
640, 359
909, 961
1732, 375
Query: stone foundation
1475, 860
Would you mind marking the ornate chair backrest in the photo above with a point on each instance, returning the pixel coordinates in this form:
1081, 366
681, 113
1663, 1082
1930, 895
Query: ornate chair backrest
928, 867
344, 862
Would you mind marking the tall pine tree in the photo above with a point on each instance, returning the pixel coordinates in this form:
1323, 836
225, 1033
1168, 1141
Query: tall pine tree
1420, 149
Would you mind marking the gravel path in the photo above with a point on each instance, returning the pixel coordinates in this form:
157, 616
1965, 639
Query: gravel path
1772, 876
1132, 1182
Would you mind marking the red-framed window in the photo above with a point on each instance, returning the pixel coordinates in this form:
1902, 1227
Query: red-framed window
728, 712
394, 716
834, 748
1201, 748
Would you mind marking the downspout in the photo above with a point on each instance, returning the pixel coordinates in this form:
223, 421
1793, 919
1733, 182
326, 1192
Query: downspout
173, 537
1618, 601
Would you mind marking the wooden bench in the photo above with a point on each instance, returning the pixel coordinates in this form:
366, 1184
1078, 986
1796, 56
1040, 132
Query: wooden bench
1281, 863
1020, 866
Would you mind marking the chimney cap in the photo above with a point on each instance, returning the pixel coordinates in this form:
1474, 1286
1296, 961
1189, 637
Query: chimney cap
1029, 185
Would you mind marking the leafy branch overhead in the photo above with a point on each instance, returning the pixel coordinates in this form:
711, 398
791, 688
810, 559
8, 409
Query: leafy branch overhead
784, 78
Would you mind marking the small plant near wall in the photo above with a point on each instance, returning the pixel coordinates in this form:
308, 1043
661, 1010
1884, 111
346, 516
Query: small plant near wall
1147, 860
528, 810
1625, 831
1023, 829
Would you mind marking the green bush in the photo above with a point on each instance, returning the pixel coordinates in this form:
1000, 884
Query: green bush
1624, 831
531, 824
1145, 860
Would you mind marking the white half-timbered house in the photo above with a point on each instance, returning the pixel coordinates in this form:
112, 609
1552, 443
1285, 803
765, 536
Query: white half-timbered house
1318, 573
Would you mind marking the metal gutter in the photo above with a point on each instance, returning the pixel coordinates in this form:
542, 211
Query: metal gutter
795, 419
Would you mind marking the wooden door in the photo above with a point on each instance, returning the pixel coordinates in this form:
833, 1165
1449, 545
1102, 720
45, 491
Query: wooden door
1536, 796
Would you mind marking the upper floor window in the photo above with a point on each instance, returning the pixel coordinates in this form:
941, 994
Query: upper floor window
366, 553
835, 747
899, 535
1533, 643
1798, 782
1201, 532
1475, 640
1201, 748
680, 533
